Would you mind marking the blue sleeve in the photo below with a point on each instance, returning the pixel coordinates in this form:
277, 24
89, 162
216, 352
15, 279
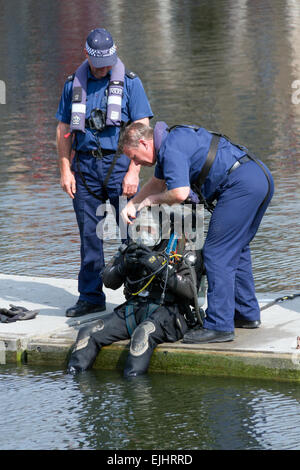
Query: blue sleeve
139, 106
173, 163
63, 113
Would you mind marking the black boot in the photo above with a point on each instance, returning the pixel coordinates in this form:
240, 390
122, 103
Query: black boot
82, 307
203, 335
246, 324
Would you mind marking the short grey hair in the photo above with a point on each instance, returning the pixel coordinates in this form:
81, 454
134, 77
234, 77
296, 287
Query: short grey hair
130, 135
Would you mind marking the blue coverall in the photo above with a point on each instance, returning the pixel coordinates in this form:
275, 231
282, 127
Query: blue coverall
135, 106
240, 207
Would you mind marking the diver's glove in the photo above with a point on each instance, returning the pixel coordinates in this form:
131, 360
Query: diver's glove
149, 259
16, 313
114, 272
130, 257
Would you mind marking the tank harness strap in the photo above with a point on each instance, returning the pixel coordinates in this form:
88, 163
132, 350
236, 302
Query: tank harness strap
211, 155
212, 152
253, 158
130, 314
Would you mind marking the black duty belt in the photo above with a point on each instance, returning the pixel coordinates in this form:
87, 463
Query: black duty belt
99, 153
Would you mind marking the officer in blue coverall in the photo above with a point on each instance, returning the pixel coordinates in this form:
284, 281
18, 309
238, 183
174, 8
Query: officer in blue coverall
242, 187
91, 177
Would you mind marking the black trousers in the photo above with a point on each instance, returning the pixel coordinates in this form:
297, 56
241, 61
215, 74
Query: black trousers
166, 324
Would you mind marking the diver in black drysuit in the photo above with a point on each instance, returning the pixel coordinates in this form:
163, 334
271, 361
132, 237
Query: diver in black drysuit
156, 310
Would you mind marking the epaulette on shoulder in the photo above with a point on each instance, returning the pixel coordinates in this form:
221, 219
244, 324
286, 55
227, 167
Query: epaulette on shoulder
71, 77
130, 74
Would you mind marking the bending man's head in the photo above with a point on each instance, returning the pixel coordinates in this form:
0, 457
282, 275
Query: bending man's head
136, 141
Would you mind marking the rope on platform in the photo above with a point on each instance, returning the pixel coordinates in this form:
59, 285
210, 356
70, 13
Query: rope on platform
280, 299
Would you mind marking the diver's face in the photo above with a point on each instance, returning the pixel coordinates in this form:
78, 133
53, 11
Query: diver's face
147, 236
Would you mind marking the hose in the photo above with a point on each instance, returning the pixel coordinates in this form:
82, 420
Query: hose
280, 299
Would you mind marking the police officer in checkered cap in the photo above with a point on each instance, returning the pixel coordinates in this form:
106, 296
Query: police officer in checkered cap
97, 100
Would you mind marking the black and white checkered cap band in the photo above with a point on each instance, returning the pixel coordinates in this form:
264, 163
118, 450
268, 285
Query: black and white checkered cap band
98, 53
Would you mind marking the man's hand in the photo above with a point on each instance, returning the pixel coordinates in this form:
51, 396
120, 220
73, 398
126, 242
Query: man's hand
67, 182
129, 213
130, 183
64, 149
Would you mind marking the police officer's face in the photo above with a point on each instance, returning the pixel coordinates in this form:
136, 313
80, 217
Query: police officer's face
143, 155
98, 72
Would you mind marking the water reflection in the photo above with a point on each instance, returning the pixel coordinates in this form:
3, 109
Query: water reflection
102, 410
228, 65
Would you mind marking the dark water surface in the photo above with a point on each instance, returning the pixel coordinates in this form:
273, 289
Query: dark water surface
227, 65
101, 410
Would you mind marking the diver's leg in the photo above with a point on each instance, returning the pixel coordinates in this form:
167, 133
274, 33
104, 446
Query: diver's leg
90, 339
145, 338
164, 325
